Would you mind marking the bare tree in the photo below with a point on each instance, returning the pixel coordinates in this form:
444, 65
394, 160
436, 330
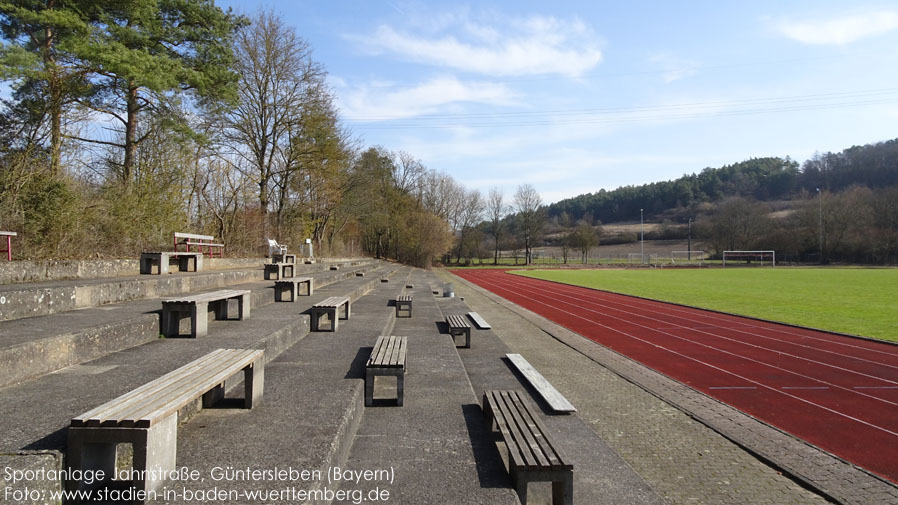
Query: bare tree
277, 79
469, 215
496, 210
531, 218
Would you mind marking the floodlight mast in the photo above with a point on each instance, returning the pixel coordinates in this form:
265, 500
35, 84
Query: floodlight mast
642, 236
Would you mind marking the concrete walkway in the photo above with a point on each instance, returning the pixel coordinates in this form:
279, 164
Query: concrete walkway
682, 460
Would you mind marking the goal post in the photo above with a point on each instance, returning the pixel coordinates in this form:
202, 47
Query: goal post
746, 258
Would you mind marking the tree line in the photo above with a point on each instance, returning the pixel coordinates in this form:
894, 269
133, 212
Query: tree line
127, 121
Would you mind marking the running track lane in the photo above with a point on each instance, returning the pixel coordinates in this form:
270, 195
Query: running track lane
836, 392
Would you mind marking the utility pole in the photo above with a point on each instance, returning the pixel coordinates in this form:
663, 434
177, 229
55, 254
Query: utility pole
642, 236
820, 213
689, 241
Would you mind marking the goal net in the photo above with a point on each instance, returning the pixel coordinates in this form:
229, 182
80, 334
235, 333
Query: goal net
687, 257
749, 258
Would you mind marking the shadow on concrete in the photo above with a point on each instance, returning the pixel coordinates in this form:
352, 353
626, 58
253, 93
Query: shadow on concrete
357, 366
55, 441
491, 472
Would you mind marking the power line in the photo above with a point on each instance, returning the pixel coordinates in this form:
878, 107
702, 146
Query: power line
614, 115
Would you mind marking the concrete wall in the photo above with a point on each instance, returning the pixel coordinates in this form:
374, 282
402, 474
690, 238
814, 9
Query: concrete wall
37, 271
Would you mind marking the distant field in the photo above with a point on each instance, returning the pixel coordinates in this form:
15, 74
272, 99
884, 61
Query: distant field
851, 300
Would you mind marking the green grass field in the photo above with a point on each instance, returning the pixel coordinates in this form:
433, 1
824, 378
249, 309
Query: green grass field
851, 300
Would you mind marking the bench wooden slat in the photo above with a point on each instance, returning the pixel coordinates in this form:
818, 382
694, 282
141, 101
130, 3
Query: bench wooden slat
156, 399
145, 390
125, 413
332, 302
388, 352
552, 396
174, 402
516, 433
208, 297
536, 441
456, 321
193, 236
526, 437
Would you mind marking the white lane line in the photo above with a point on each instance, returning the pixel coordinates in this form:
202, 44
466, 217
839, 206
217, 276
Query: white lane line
504, 287
609, 305
875, 387
805, 387
733, 387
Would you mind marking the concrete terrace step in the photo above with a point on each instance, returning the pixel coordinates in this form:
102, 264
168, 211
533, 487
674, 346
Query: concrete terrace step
312, 407
50, 297
34, 346
37, 411
600, 475
437, 443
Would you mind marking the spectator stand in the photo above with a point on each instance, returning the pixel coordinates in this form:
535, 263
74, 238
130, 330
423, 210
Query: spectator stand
9, 235
189, 240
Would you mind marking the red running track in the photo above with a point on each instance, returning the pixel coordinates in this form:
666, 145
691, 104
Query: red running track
838, 393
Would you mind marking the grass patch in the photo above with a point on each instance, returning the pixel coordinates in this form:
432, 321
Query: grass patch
854, 300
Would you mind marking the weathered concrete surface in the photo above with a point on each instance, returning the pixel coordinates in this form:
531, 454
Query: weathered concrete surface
30, 347
437, 444
681, 458
30, 486
54, 270
311, 410
601, 476
51, 297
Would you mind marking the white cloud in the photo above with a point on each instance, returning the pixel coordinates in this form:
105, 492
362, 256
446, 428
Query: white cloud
532, 46
674, 68
840, 30
384, 102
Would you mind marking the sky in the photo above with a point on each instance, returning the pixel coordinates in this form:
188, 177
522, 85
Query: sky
573, 97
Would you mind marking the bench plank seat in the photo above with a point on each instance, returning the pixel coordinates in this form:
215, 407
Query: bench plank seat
531, 454
387, 358
199, 241
552, 396
479, 321
196, 307
404, 306
458, 325
147, 417
331, 307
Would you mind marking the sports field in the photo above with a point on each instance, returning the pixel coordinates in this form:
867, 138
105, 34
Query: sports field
850, 300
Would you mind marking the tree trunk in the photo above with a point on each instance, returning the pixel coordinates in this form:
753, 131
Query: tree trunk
130, 134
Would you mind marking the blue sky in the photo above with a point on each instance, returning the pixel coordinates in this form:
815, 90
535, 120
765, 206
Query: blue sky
573, 97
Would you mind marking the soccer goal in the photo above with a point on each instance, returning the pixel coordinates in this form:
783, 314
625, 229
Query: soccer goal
749, 258
687, 257
634, 257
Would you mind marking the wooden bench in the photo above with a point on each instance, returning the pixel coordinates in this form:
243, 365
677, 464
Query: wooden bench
458, 325
553, 398
331, 308
9, 235
532, 456
161, 261
199, 241
147, 417
387, 358
404, 305
479, 321
293, 286
283, 258
279, 270
197, 308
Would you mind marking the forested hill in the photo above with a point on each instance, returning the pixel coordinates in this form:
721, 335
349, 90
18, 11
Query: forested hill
872, 165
